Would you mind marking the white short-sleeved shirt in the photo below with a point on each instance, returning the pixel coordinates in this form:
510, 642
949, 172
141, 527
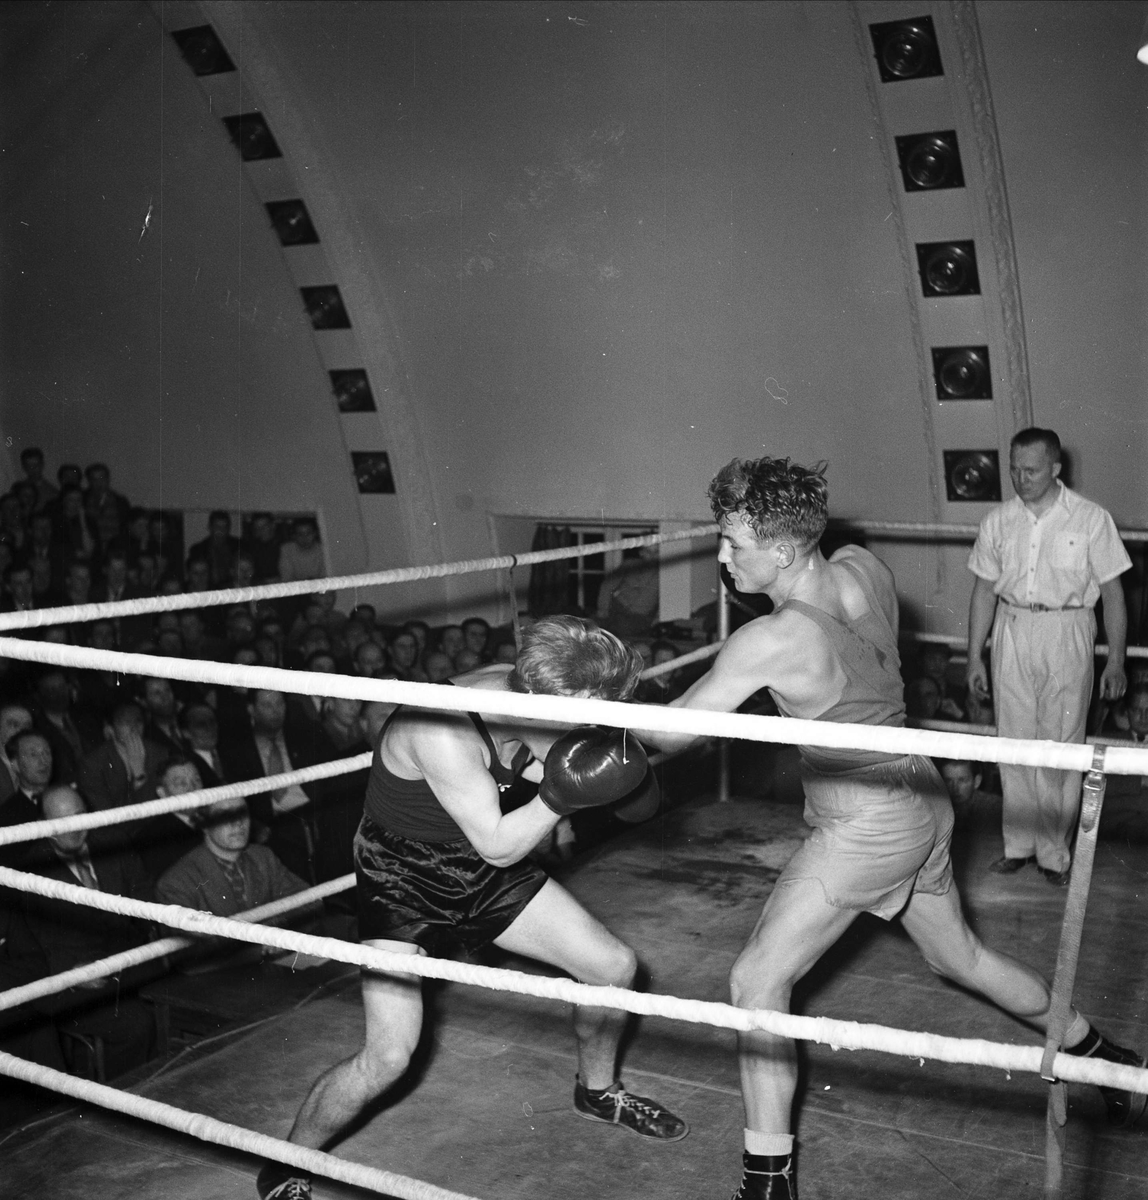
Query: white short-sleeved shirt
1058, 560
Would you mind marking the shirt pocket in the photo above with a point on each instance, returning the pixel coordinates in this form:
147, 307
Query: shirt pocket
1069, 552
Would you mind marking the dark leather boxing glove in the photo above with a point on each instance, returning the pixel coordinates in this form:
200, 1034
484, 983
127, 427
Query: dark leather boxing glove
589, 767
641, 804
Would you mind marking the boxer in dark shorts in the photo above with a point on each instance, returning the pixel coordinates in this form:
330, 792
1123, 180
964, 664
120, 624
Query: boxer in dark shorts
442, 870
881, 822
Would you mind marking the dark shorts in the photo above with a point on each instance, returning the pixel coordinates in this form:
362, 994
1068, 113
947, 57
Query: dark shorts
442, 896
880, 833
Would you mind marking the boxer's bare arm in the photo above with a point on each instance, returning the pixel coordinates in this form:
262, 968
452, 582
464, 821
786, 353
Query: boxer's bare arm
451, 760
783, 652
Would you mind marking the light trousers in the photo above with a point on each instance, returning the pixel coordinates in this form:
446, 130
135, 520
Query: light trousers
1042, 664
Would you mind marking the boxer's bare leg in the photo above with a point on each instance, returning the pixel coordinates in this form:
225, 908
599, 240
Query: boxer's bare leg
554, 928
795, 929
393, 1007
938, 927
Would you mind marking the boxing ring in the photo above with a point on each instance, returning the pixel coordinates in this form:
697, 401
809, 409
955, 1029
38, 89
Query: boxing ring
1053, 1065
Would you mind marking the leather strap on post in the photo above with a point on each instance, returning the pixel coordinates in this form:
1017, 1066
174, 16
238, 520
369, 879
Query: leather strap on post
1064, 980
514, 602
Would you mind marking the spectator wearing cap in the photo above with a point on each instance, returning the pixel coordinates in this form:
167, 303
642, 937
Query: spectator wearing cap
225, 874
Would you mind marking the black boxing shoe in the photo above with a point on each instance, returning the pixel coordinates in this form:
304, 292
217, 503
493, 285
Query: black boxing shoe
1009, 866
647, 1118
1124, 1108
766, 1177
277, 1181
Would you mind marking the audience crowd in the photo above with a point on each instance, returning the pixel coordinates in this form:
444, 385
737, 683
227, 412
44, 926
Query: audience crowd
78, 740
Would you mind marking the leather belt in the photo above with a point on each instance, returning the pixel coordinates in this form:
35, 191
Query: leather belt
1046, 607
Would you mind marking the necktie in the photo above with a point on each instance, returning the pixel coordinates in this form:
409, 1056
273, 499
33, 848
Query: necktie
275, 766
236, 883
83, 868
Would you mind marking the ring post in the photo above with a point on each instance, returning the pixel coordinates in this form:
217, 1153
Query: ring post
723, 634
1064, 980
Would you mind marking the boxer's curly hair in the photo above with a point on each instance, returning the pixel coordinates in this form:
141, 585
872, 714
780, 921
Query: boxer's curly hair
777, 498
563, 655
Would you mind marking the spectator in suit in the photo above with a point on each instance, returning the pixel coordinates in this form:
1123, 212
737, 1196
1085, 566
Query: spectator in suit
32, 462
505, 651
197, 576
439, 667
219, 549
78, 584
225, 874
67, 475
99, 692
239, 628
113, 583
308, 710
125, 767
161, 715
403, 652
73, 532
466, 660
371, 661
270, 748
421, 631
340, 808
19, 595
99, 499
69, 934
42, 549
145, 569
70, 732
13, 527
451, 640
302, 556
972, 807
263, 546
163, 840
14, 719
199, 730
25, 495
198, 640
476, 636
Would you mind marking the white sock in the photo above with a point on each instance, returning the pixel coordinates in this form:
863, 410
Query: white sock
772, 1144
1076, 1032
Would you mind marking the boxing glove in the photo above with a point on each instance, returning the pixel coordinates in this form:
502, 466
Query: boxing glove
589, 767
641, 804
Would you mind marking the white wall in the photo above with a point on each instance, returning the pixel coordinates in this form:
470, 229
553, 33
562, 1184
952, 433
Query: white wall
615, 254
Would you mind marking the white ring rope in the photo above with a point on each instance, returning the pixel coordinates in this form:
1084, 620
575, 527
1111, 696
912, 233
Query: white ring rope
106, 817
850, 1035
928, 530
683, 660
72, 614
1120, 760
208, 1129
50, 985
1100, 650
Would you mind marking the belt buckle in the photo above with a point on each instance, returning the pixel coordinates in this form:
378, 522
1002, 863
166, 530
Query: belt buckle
1040, 608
